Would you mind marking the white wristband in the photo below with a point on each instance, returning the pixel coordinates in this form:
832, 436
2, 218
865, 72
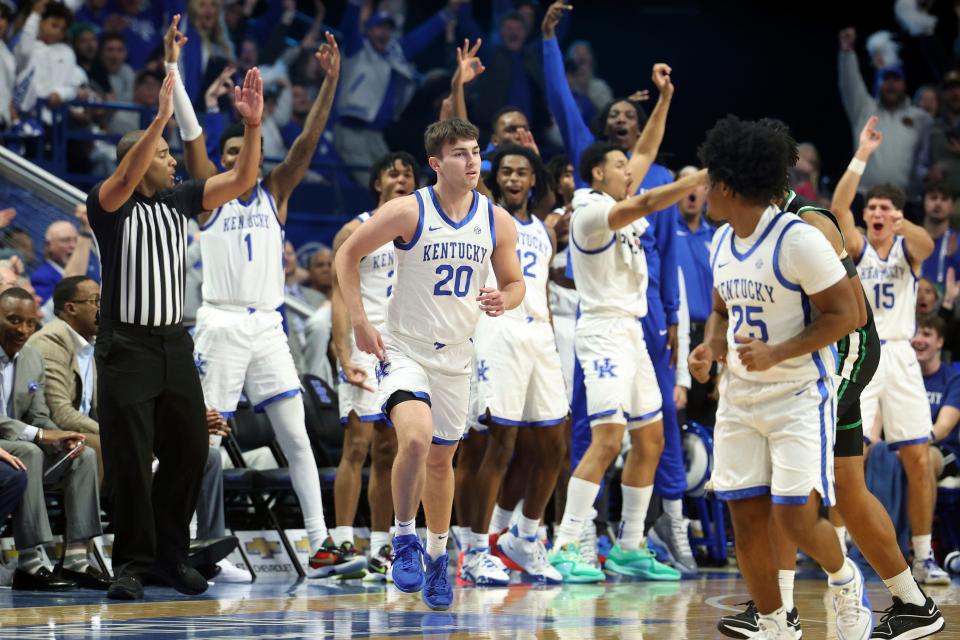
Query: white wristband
186, 117
857, 166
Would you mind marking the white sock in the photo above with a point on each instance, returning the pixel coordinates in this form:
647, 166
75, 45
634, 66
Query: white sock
843, 575
842, 537
580, 496
29, 560
289, 425
636, 500
408, 528
341, 535
786, 588
542, 532
478, 540
500, 519
776, 620
436, 544
527, 527
905, 587
921, 547
673, 509
378, 540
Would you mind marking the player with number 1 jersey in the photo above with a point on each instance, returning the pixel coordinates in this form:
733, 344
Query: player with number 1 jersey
447, 238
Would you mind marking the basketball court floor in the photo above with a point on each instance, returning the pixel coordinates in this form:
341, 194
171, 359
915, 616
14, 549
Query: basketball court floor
328, 609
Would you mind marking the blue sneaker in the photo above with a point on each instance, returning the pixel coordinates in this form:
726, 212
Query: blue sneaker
437, 592
407, 563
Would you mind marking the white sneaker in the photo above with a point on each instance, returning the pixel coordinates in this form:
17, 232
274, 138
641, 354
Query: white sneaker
927, 572
852, 607
480, 569
230, 573
588, 545
528, 555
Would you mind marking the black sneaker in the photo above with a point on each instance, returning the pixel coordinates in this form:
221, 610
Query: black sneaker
905, 620
741, 625
747, 624
343, 561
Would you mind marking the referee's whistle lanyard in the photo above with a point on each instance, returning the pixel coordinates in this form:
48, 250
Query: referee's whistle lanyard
942, 258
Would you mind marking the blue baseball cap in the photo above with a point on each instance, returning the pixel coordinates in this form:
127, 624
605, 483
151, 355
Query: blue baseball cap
381, 17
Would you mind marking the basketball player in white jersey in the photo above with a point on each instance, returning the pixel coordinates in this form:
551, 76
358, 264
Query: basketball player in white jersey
447, 237
889, 260
392, 176
240, 345
519, 397
563, 293
786, 295
622, 395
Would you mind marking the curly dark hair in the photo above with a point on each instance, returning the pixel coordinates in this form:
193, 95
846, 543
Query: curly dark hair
540, 188
598, 126
594, 156
751, 157
385, 163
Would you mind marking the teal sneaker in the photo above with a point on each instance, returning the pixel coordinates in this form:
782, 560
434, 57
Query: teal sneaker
639, 563
567, 561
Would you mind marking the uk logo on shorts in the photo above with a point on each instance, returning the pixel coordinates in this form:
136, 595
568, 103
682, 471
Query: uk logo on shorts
605, 368
482, 369
200, 363
382, 371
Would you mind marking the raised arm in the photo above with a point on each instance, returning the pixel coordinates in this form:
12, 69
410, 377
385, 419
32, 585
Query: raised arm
423, 35
648, 144
195, 152
396, 221
642, 205
79, 261
469, 67
224, 187
853, 91
118, 188
287, 175
919, 243
846, 191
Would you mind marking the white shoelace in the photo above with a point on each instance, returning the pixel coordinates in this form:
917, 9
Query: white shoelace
680, 528
848, 605
588, 545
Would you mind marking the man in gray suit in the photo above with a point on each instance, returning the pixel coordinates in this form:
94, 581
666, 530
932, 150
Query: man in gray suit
27, 432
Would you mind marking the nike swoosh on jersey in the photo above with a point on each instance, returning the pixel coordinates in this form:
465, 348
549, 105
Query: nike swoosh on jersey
434, 228
663, 332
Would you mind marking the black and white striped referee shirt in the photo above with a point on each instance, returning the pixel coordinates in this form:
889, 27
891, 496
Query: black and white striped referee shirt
143, 247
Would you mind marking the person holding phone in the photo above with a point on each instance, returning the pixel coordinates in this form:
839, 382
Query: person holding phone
28, 433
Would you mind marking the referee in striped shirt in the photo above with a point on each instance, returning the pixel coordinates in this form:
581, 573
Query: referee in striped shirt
148, 389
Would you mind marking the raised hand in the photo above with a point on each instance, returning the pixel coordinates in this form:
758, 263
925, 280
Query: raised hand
328, 55
640, 95
173, 41
661, 78
526, 140
469, 65
80, 212
848, 37
249, 99
165, 106
870, 137
552, 18
219, 87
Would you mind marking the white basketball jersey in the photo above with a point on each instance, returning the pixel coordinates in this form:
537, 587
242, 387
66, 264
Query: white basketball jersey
891, 288
611, 279
377, 277
534, 250
242, 253
563, 301
760, 302
440, 272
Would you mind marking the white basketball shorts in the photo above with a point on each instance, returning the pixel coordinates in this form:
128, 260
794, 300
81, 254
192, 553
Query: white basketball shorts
898, 395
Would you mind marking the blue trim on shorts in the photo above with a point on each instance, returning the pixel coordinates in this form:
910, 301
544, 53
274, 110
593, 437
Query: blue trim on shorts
547, 423
423, 395
521, 423
742, 494
443, 442
226, 414
645, 416
601, 414
824, 398
893, 446
406, 246
373, 417
789, 499
280, 396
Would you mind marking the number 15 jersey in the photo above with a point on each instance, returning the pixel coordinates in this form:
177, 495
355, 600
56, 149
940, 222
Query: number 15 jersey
440, 271
765, 281
891, 288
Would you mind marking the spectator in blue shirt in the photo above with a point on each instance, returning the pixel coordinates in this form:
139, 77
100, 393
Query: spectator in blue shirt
943, 387
938, 201
694, 233
66, 253
378, 81
139, 23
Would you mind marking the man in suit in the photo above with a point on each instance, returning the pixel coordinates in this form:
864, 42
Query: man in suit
65, 344
27, 432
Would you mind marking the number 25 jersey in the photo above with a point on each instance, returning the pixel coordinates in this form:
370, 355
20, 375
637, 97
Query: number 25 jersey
440, 271
764, 281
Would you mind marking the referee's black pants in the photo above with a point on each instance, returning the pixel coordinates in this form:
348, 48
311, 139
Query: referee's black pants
150, 403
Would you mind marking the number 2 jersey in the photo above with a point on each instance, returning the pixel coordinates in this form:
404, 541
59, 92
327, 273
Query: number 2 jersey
377, 277
891, 288
242, 252
440, 271
764, 281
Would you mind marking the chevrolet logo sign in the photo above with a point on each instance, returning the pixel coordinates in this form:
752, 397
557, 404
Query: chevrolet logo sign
303, 544
262, 547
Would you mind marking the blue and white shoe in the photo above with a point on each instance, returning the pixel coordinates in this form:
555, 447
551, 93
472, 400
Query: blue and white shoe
437, 590
483, 569
852, 606
927, 572
407, 566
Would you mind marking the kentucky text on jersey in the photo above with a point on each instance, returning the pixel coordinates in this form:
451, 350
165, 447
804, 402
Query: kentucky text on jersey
740, 288
535, 242
254, 220
892, 272
454, 250
383, 260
